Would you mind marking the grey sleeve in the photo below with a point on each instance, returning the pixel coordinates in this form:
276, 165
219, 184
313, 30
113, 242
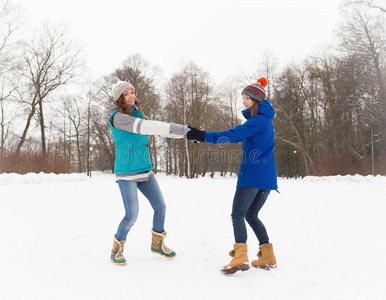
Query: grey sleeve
142, 126
176, 129
124, 122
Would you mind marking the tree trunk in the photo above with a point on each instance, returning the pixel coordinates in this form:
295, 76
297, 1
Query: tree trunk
26, 128
42, 128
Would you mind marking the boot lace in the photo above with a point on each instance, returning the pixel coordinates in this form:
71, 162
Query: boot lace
159, 241
119, 254
165, 249
118, 250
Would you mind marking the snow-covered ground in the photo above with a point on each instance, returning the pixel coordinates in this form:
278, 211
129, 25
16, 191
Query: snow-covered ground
56, 235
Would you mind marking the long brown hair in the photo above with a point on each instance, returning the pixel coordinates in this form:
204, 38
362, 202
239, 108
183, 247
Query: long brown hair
124, 108
254, 108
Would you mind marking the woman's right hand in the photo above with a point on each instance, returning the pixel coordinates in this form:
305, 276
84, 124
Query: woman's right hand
195, 134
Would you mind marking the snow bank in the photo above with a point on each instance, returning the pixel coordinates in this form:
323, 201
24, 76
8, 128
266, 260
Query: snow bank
348, 178
56, 240
8, 178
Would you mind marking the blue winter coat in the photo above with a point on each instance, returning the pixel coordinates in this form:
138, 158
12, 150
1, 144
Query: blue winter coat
258, 168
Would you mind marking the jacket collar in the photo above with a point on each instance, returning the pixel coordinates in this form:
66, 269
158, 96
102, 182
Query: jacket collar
246, 113
265, 108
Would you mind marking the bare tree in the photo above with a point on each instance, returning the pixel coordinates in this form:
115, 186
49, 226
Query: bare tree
176, 111
363, 38
226, 107
373, 4
7, 116
73, 110
51, 60
189, 93
364, 34
9, 24
292, 111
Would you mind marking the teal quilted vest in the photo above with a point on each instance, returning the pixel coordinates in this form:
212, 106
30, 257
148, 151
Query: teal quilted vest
132, 151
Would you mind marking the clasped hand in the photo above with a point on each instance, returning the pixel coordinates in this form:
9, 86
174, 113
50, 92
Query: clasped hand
195, 134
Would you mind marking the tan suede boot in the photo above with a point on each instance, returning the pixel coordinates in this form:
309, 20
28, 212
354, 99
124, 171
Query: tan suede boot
158, 244
116, 253
239, 261
267, 259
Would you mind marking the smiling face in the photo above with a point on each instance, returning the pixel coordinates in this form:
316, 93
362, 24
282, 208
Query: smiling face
129, 97
247, 101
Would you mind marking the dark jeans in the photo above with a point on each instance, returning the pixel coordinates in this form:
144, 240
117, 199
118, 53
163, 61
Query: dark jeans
246, 205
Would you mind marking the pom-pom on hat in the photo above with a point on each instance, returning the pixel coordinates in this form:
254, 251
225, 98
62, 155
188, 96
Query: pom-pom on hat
118, 87
256, 90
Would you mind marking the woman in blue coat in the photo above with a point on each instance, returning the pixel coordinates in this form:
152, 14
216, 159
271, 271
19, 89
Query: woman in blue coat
257, 174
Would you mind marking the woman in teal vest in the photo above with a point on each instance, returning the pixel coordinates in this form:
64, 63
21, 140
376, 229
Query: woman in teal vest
133, 168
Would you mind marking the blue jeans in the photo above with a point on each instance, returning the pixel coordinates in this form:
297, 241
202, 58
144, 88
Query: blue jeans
152, 192
246, 206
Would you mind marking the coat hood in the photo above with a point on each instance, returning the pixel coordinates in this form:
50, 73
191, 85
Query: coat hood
265, 108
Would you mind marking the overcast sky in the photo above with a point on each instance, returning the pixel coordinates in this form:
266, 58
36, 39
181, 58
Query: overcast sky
221, 37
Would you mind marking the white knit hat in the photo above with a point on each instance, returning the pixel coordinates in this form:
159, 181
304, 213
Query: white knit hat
118, 87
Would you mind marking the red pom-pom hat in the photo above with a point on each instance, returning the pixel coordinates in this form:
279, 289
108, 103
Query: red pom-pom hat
256, 90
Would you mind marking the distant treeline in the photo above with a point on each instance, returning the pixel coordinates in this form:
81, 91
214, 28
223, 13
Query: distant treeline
331, 107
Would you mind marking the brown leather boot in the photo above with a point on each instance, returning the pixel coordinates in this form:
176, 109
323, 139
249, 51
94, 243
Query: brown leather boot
239, 261
267, 259
158, 245
116, 253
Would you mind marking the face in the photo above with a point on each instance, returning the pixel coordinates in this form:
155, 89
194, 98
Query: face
247, 101
129, 97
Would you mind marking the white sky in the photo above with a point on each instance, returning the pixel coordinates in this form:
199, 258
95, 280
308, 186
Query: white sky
221, 37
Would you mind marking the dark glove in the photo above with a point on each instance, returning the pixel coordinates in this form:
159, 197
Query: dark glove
195, 134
